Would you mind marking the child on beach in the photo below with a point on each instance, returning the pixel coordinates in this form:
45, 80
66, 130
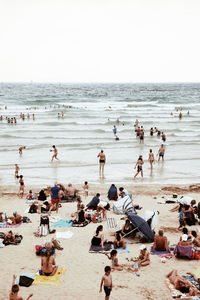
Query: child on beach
106, 282
86, 188
144, 259
14, 291
114, 261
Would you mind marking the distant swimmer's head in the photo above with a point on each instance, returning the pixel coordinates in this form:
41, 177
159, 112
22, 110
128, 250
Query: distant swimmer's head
21, 176
140, 157
150, 150
97, 195
121, 189
101, 151
53, 146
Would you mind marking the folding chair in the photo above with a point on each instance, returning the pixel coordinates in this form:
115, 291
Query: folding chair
111, 225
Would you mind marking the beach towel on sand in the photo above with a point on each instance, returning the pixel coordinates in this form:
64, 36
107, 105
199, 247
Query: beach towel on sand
63, 223
191, 279
64, 235
121, 250
107, 247
49, 280
6, 225
154, 252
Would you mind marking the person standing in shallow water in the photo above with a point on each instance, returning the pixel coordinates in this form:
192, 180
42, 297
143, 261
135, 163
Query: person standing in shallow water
151, 158
55, 153
161, 152
102, 161
139, 165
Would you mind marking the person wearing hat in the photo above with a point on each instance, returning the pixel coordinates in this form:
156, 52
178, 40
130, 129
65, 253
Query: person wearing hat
144, 258
184, 241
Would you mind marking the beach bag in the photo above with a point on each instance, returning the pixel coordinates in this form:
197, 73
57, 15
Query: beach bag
25, 281
33, 209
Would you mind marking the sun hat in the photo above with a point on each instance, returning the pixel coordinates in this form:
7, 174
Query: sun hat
142, 247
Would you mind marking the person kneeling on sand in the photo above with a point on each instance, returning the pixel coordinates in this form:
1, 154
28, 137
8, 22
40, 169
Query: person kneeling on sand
14, 291
48, 264
114, 261
144, 259
160, 242
181, 284
119, 241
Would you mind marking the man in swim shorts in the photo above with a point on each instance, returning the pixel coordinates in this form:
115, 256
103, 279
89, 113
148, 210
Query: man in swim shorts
161, 152
102, 161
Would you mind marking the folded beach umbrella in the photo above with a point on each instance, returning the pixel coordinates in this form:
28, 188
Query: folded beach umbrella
140, 224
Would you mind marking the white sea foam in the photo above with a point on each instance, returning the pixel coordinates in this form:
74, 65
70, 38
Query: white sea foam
90, 111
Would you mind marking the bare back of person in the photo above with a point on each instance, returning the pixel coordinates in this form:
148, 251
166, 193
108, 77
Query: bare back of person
48, 264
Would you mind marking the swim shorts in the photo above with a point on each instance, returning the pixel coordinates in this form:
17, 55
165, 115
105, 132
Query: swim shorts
139, 168
107, 290
54, 201
101, 161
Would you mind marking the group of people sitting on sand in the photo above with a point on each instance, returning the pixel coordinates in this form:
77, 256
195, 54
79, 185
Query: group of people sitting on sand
11, 220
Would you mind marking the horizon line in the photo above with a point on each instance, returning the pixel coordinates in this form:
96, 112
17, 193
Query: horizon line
100, 82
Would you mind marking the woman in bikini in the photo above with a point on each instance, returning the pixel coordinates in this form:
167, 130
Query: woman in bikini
48, 264
151, 158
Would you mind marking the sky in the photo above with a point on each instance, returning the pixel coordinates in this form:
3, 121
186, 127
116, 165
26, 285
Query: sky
99, 41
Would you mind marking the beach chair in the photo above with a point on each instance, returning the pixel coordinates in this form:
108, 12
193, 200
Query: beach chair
111, 225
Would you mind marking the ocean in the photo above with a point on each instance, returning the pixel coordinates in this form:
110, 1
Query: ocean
90, 111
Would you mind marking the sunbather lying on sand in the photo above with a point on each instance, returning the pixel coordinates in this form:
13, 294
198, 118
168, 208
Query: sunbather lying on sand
181, 284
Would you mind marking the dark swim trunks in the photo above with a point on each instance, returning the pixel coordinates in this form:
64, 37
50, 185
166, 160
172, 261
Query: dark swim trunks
161, 154
107, 290
139, 168
101, 161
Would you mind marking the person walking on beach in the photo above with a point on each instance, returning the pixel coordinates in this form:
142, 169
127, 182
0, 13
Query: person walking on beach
102, 161
161, 152
86, 189
55, 199
139, 164
21, 148
17, 168
151, 158
106, 282
21, 186
55, 153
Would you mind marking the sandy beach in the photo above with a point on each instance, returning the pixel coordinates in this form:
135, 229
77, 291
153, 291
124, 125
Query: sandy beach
83, 269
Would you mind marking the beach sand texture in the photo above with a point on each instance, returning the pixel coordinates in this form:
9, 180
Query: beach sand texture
84, 269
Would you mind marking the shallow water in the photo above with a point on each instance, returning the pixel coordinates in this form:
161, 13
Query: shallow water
90, 111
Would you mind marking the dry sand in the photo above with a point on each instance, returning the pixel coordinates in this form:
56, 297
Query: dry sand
83, 269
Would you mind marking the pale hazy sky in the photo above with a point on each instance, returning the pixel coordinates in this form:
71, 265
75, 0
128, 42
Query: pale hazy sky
100, 40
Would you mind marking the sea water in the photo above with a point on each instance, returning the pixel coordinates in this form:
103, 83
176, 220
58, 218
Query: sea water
90, 111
